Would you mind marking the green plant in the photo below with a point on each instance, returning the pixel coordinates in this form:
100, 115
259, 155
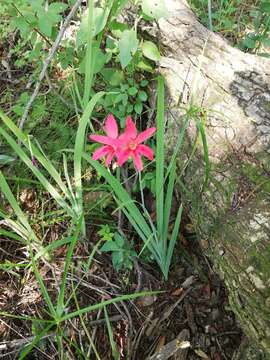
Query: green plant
258, 38
105, 233
228, 17
122, 251
155, 238
57, 311
127, 95
38, 23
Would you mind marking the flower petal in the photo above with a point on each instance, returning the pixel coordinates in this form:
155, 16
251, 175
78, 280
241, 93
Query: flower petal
145, 135
130, 131
103, 139
145, 151
111, 127
137, 161
122, 157
109, 158
103, 151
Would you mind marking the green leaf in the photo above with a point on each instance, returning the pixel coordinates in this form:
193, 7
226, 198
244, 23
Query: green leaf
128, 45
100, 61
144, 83
150, 50
100, 17
119, 240
120, 97
113, 76
160, 161
138, 107
143, 96
249, 43
21, 24
57, 7
145, 65
61, 297
129, 108
117, 28
45, 25
132, 91
110, 246
155, 8
265, 6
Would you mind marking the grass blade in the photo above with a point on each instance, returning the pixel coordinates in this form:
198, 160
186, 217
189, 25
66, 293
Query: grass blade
173, 241
168, 203
13, 202
89, 64
115, 353
60, 301
205, 154
160, 157
122, 195
38, 155
107, 302
79, 147
51, 189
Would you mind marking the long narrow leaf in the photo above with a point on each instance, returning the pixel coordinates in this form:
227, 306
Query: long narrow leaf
107, 302
178, 146
51, 189
79, 147
89, 66
36, 152
160, 157
168, 204
122, 195
13, 202
74, 239
205, 154
173, 241
115, 353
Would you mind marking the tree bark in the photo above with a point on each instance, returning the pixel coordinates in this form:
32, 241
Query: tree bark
228, 93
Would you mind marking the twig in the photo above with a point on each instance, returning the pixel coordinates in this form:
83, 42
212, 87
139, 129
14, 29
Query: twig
15, 81
48, 61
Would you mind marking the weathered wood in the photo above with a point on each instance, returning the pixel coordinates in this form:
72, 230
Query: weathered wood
232, 89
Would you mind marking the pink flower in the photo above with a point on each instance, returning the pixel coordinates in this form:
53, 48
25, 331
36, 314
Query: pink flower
131, 145
111, 142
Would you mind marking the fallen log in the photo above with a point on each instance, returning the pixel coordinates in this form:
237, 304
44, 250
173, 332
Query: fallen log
227, 93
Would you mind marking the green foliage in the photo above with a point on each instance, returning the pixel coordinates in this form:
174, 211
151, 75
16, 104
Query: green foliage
232, 18
105, 233
229, 17
150, 50
155, 237
126, 94
35, 15
128, 45
122, 251
258, 38
105, 59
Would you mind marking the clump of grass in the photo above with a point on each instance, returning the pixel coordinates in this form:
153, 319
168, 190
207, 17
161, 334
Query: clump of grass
231, 18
